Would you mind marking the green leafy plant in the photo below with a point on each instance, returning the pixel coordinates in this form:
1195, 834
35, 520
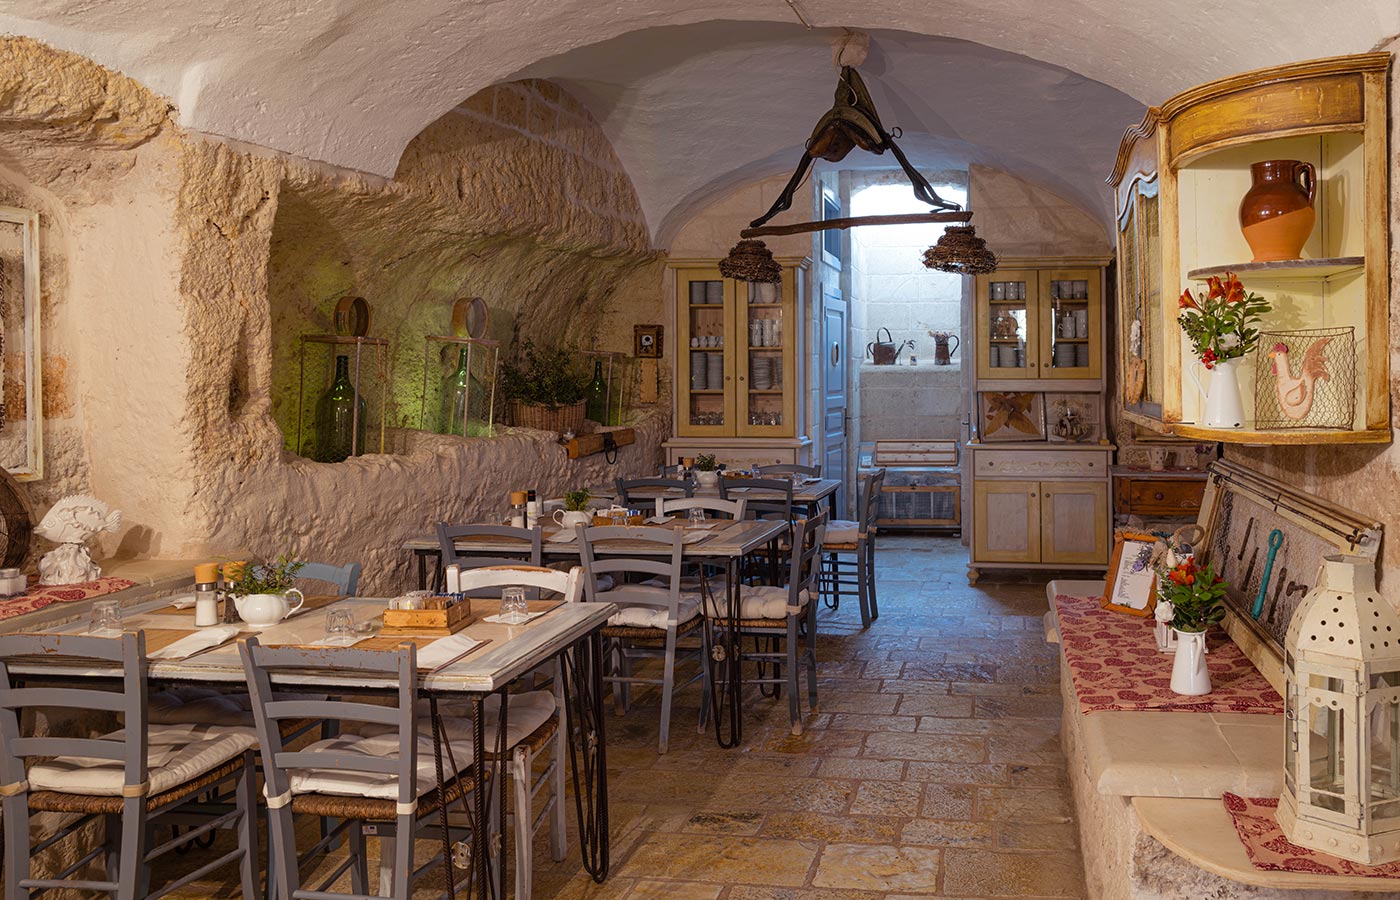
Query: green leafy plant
706, 462
1197, 595
542, 376
268, 578
577, 501
1220, 323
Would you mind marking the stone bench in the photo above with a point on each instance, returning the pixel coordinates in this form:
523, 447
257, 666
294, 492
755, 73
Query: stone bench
1147, 788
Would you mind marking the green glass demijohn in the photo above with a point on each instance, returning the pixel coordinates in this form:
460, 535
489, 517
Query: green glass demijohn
596, 408
340, 431
456, 389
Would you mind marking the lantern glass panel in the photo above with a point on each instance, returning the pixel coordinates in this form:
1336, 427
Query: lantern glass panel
1326, 753
1290, 745
1385, 744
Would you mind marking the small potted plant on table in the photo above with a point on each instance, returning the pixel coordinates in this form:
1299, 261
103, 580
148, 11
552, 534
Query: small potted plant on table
260, 593
707, 469
575, 511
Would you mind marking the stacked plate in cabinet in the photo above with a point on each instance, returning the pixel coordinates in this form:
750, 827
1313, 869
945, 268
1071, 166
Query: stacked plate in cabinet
766, 372
698, 378
714, 371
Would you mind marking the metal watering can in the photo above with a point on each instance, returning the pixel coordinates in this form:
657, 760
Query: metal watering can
883, 352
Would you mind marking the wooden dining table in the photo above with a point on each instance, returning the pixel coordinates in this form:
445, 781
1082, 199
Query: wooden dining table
725, 545
570, 632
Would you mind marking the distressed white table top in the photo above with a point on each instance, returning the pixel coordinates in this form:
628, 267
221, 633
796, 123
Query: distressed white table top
729, 541
512, 651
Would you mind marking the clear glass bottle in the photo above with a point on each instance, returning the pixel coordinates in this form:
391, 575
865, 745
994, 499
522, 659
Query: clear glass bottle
340, 418
455, 389
597, 396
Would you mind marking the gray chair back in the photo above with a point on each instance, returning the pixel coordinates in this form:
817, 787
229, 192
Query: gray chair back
128, 652
259, 664
766, 498
530, 541
869, 503
678, 506
600, 559
804, 570
345, 579
791, 469
627, 490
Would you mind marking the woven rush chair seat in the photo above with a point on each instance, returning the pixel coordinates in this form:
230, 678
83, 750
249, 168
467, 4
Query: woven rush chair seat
842, 531
841, 545
84, 804
759, 603
643, 633
175, 755
374, 809
526, 713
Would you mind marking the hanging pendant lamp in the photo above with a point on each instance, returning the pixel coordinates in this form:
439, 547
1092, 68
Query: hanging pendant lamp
852, 123
961, 252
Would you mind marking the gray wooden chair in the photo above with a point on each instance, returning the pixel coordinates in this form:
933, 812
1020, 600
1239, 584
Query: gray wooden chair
627, 490
850, 552
775, 616
530, 541
345, 579
765, 498
544, 741
790, 469
385, 784
652, 618
148, 775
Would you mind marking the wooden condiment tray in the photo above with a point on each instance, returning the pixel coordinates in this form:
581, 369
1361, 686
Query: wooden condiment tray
439, 619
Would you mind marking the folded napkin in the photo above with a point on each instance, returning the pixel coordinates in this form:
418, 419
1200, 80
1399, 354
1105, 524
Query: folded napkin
338, 640
562, 536
183, 602
189, 645
500, 619
445, 650
695, 537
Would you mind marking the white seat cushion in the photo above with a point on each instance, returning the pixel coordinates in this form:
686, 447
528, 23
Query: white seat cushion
199, 706
842, 531
758, 602
175, 754
650, 616
382, 786
525, 712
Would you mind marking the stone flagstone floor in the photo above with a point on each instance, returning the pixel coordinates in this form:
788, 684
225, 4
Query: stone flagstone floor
932, 767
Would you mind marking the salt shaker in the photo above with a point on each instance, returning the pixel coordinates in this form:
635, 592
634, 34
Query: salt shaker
206, 594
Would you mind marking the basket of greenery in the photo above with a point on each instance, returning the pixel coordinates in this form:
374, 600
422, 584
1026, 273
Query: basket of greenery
544, 389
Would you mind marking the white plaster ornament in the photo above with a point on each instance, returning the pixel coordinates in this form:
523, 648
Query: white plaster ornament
71, 523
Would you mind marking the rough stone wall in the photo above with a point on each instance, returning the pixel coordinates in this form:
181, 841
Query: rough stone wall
180, 269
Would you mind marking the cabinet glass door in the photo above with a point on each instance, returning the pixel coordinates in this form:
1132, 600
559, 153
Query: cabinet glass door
1070, 306
1007, 325
767, 335
705, 347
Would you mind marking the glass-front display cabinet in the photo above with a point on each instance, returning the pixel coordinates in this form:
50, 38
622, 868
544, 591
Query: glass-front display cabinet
1041, 320
1279, 177
736, 361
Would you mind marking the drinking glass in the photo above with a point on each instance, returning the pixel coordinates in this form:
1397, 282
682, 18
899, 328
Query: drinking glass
514, 609
696, 517
106, 619
340, 626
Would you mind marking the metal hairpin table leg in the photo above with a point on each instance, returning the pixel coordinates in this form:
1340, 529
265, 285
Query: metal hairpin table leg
582, 671
725, 660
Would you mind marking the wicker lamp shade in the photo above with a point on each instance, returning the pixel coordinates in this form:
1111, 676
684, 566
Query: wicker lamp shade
751, 260
961, 252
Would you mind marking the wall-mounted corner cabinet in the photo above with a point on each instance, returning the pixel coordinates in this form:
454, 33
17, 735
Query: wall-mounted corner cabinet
1179, 180
739, 378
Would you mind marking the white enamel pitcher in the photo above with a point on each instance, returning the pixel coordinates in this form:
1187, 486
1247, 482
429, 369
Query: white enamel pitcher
266, 610
1224, 406
1189, 673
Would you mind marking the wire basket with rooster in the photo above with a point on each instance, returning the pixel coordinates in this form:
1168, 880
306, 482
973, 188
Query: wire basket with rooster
1305, 379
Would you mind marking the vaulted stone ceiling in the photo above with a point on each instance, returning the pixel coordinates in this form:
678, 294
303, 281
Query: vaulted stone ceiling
351, 82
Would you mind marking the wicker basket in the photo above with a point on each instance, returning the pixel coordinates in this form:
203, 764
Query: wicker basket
548, 418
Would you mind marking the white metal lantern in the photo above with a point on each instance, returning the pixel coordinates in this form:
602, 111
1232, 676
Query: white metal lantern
1342, 731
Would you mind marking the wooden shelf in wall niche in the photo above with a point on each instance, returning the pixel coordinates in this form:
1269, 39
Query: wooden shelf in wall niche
1287, 269
1281, 435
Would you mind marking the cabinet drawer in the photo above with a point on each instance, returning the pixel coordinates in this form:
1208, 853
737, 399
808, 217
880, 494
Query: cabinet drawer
1161, 497
1041, 464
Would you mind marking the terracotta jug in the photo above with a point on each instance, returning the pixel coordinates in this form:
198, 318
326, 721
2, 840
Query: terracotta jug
1276, 214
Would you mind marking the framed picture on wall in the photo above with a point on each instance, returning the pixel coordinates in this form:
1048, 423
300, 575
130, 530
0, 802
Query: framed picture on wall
1011, 415
646, 341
